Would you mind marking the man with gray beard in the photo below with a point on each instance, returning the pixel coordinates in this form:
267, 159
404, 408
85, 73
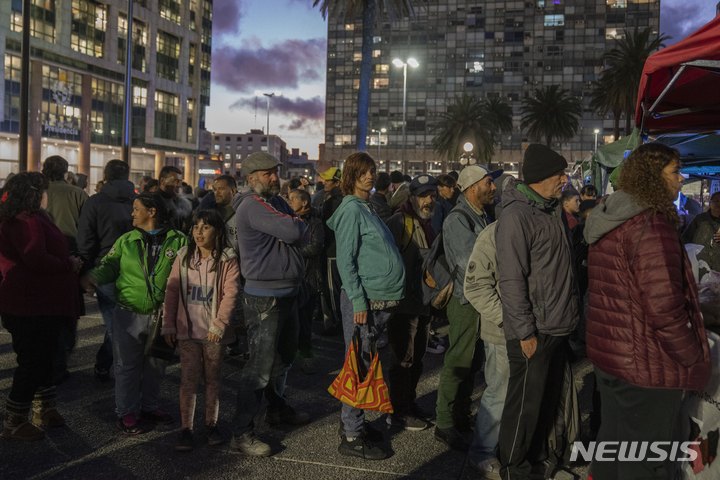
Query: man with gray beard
409, 328
273, 268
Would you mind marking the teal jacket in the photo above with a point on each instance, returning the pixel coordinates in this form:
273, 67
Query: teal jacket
368, 260
123, 266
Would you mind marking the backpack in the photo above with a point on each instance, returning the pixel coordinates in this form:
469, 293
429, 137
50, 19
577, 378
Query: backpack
437, 282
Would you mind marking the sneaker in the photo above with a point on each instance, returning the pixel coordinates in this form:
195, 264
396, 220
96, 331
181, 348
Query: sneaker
362, 448
452, 438
214, 437
407, 422
370, 433
129, 425
158, 417
489, 469
435, 346
185, 441
287, 416
249, 444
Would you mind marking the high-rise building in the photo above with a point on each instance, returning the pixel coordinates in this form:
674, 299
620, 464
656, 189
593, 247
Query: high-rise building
77, 93
493, 48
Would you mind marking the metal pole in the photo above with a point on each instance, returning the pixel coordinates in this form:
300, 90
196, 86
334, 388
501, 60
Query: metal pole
24, 89
267, 132
404, 130
127, 121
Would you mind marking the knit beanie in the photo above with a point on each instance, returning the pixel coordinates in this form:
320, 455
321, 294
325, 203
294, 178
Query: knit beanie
541, 162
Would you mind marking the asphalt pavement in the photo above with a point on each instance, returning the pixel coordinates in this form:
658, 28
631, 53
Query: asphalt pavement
91, 447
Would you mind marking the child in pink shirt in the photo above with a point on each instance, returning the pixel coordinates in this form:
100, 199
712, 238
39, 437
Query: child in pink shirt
199, 300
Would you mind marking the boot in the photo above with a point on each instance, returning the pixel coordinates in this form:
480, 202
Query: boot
16, 425
44, 413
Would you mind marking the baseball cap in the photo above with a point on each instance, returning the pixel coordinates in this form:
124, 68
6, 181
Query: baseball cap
472, 174
423, 184
258, 161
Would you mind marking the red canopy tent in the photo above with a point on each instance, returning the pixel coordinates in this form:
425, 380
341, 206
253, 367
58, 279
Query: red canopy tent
680, 85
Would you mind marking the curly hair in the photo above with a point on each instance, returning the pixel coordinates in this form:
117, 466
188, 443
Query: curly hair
355, 165
641, 176
22, 193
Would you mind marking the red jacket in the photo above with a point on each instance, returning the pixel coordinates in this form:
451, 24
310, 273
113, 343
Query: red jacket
643, 322
37, 275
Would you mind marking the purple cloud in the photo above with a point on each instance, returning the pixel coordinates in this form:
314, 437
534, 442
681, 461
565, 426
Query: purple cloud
680, 18
284, 65
226, 16
307, 109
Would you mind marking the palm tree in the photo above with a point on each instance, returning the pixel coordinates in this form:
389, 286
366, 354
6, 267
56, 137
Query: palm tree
350, 10
624, 64
470, 119
551, 114
606, 97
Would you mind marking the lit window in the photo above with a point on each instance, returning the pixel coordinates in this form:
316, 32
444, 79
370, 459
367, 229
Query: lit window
554, 20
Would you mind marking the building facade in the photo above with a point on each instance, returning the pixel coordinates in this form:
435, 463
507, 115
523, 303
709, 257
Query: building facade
77, 93
494, 48
226, 151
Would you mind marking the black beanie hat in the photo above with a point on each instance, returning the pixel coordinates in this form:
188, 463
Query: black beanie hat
541, 162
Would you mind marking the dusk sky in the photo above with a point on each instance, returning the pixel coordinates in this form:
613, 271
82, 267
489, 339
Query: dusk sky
280, 46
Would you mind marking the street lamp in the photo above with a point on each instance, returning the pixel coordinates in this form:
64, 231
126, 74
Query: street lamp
269, 96
379, 133
596, 131
467, 157
414, 64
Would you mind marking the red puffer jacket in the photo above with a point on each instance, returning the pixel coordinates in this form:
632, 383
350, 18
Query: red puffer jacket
643, 322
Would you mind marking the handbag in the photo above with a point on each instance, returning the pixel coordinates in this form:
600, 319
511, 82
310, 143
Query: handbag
359, 387
155, 344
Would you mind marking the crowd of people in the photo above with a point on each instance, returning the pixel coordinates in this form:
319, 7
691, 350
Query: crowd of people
540, 274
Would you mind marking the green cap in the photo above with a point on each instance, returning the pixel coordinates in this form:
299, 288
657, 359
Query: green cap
258, 161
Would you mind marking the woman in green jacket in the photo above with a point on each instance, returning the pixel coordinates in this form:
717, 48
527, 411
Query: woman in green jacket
139, 264
373, 282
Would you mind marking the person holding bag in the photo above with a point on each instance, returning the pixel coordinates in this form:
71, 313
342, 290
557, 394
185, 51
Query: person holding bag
139, 263
373, 282
199, 301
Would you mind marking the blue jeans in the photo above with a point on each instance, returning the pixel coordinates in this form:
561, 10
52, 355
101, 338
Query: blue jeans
106, 305
354, 418
137, 377
272, 335
487, 421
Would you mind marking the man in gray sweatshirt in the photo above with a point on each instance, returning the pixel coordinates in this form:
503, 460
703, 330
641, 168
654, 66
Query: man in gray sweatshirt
273, 268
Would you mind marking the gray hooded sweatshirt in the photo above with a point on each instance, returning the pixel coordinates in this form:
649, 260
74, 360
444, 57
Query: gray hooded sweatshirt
610, 213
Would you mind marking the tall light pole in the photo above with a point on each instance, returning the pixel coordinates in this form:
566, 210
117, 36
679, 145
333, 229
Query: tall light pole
379, 133
404, 64
596, 132
269, 95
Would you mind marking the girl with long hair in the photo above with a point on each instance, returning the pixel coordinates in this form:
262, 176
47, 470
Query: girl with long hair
199, 302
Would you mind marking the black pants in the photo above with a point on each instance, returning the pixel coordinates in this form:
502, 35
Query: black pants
34, 340
531, 405
631, 413
306, 313
408, 338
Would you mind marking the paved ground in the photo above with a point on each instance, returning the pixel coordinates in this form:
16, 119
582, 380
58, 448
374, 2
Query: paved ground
90, 447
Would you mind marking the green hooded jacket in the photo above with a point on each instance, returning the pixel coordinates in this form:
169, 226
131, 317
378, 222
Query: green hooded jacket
368, 260
123, 265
